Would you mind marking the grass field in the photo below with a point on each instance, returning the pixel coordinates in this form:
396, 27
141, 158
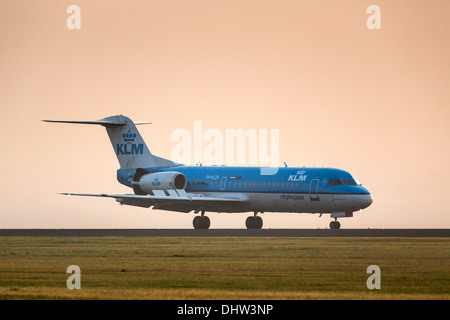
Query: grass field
224, 268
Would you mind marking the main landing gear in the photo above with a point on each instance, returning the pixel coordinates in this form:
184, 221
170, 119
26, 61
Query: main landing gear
254, 222
201, 222
335, 224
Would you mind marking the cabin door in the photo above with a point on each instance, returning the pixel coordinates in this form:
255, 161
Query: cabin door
314, 190
223, 183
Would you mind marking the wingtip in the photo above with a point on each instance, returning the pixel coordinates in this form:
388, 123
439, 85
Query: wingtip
65, 194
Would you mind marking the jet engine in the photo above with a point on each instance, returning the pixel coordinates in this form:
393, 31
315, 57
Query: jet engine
145, 181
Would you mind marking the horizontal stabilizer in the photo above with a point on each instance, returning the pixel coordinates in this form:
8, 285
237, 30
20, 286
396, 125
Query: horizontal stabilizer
100, 122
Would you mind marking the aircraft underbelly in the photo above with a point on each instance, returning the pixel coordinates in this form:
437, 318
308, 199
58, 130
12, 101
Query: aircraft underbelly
281, 202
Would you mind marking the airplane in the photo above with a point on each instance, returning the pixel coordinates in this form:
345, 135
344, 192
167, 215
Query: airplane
167, 185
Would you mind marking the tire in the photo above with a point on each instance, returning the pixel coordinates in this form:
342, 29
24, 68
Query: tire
250, 222
258, 222
197, 222
205, 222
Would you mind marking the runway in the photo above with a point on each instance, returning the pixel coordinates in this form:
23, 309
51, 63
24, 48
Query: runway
224, 233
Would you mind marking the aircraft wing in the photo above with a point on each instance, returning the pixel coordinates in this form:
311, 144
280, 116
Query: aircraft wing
177, 201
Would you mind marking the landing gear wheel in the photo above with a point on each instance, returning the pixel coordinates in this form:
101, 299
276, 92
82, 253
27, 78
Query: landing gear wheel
206, 222
335, 225
200, 222
254, 222
258, 222
249, 222
197, 222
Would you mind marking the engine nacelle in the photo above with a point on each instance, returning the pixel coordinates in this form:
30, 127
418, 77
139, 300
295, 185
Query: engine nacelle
144, 181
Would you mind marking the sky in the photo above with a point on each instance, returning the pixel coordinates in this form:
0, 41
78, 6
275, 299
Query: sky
374, 102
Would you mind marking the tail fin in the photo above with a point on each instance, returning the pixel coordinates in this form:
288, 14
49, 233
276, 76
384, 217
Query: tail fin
130, 148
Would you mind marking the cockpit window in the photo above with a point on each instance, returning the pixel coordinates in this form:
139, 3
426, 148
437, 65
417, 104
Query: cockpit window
346, 182
334, 182
349, 182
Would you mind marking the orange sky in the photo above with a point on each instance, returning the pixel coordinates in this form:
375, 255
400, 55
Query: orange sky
373, 102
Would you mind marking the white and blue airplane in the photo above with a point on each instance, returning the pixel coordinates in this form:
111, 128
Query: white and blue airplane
166, 185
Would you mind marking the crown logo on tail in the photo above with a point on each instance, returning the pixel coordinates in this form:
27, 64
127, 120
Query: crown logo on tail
129, 137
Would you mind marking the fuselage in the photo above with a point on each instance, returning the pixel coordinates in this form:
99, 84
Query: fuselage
262, 189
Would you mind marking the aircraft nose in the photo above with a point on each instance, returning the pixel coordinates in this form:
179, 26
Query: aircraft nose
365, 200
369, 200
